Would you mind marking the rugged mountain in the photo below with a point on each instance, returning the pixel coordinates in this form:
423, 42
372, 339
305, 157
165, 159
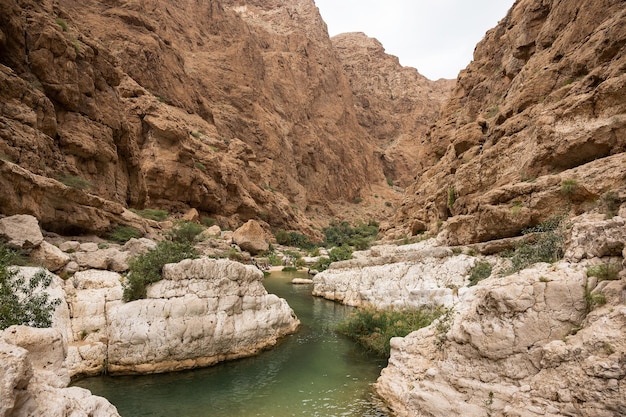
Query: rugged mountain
395, 104
238, 109
535, 126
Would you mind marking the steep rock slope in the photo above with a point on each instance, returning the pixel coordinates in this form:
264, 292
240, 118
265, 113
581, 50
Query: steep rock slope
535, 127
395, 104
239, 109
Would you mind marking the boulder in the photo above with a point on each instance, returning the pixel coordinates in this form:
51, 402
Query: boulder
191, 215
49, 256
139, 246
202, 312
251, 237
33, 378
21, 231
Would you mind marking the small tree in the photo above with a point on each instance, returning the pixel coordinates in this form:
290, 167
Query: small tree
24, 301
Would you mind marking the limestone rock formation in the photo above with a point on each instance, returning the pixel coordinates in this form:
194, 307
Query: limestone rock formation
238, 111
409, 276
534, 127
34, 379
20, 231
548, 340
395, 104
204, 311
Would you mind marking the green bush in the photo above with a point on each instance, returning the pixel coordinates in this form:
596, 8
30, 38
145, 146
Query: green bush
122, 234
207, 221
341, 253
152, 214
274, 259
374, 328
322, 264
62, 23
360, 236
568, 187
184, 231
479, 271
545, 246
24, 302
604, 272
294, 239
147, 268
451, 197
75, 181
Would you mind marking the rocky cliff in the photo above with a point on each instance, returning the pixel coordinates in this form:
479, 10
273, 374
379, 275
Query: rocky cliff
535, 126
396, 105
239, 109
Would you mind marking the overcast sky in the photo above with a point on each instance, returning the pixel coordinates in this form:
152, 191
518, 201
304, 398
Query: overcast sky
435, 36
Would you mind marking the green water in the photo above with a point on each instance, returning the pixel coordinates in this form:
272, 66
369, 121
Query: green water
314, 372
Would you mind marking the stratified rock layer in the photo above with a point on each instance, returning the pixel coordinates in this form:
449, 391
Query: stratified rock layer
535, 126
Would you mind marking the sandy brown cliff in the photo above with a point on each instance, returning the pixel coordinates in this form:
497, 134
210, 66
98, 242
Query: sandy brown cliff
239, 109
535, 126
395, 104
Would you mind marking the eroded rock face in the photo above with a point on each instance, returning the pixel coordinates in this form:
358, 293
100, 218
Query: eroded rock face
204, 311
534, 127
409, 276
548, 340
515, 349
34, 379
395, 104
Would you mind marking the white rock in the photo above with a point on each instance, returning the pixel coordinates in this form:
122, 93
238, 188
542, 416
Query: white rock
21, 231
140, 246
70, 246
49, 256
33, 379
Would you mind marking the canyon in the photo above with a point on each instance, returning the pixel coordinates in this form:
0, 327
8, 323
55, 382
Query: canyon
248, 111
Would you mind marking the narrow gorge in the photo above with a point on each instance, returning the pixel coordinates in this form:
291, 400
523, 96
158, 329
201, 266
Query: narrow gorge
156, 158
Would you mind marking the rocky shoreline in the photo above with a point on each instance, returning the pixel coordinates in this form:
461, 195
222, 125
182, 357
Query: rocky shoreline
548, 340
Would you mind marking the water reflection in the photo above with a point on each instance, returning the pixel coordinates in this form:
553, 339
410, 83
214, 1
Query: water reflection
314, 372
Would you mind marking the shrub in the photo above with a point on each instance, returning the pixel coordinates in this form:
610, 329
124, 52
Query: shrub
208, 221
568, 187
152, 214
610, 203
322, 264
340, 253
24, 301
75, 181
390, 182
122, 234
604, 272
374, 328
479, 271
545, 246
289, 269
185, 232
146, 268
361, 235
295, 239
274, 259
62, 23
451, 197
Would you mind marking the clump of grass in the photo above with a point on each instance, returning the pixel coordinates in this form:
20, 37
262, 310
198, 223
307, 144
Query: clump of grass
147, 268
374, 328
75, 181
479, 271
568, 187
152, 214
610, 204
451, 197
200, 166
62, 23
604, 272
545, 246
390, 182
122, 234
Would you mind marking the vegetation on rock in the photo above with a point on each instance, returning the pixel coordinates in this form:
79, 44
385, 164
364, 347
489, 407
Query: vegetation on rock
479, 271
152, 214
122, 234
544, 245
24, 301
373, 328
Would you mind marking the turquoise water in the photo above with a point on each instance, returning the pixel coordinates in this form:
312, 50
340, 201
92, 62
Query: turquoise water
315, 372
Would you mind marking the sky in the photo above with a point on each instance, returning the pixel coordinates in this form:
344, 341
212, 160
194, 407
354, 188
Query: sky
435, 36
